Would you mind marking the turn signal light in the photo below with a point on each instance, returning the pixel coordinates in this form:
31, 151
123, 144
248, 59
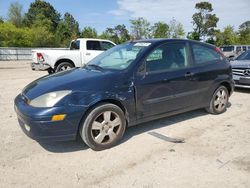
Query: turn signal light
58, 117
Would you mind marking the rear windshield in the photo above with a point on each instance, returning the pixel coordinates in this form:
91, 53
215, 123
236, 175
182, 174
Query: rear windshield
75, 45
227, 48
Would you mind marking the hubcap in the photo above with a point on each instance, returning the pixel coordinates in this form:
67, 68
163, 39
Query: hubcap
106, 127
65, 68
220, 101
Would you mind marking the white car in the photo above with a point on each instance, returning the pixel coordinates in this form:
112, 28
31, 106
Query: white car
81, 51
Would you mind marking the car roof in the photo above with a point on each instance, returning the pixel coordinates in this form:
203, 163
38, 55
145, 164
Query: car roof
160, 40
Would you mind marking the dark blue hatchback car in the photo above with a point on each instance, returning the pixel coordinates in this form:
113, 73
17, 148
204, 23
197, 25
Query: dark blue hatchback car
129, 84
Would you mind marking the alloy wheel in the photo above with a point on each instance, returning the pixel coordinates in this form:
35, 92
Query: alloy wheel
106, 127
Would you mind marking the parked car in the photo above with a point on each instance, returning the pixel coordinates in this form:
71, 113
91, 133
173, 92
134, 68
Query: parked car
129, 84
232, 51
241, 70
80, 52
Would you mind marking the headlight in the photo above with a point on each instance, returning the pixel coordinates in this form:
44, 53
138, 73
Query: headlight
49, 99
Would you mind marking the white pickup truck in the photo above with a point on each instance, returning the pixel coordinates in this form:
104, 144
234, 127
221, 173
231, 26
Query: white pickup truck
80, 52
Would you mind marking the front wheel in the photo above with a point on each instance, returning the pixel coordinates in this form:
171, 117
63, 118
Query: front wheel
219, 101
103, 127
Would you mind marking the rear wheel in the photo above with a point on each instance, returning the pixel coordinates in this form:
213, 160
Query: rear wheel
64, 66
218, 103
103, 127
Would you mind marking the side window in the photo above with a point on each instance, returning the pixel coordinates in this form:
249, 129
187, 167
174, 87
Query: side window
93, 45
107, 45
203, 54
167, 57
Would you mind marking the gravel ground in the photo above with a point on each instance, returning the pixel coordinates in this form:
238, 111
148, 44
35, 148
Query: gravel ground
215, 152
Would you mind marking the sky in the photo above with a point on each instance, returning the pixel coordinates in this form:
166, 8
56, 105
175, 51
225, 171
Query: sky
101, 14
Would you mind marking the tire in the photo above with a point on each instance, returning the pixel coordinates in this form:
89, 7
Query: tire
219, 101
50, 70
64, 66
103, 126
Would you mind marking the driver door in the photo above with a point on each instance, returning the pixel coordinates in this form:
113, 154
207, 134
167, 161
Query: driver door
169, 83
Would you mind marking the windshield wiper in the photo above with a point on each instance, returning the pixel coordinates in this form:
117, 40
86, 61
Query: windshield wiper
96, 67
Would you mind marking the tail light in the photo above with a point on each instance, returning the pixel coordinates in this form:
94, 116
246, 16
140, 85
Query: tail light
40, 57
218, 50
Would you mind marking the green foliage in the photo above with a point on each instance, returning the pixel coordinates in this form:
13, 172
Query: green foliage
89, 32
44, 8
140, 28
204, 21
176, 29
118, 34
10, 35
227, 37
67, 29
160, 30
15, 15
1, 20
244, 33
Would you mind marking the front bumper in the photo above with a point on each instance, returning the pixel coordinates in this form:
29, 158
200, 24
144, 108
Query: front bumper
39, 66
36, 122
241, 81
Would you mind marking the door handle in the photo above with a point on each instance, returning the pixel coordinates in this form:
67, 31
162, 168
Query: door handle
189, 74
88, 53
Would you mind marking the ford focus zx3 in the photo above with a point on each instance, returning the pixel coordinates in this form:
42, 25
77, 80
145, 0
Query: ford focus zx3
129, 84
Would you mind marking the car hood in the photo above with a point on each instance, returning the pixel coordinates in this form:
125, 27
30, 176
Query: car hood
79, 79
241, 64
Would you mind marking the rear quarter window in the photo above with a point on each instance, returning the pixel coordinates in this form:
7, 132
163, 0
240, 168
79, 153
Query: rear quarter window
203, 54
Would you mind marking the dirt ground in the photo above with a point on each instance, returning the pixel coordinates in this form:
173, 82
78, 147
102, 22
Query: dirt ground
216, 151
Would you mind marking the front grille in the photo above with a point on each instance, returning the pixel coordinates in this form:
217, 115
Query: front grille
241, 72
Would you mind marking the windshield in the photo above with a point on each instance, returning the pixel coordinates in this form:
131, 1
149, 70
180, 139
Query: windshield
227, 48
120, 56
244, 56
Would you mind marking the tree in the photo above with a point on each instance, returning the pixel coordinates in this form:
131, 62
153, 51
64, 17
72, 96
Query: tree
122, 33
176, 29
1, 20
118, 34
43, 8
11, 36
140, 28
42, 32
89, 32
244, 33
227, 37
67, 29
15, 15
204, 22
160, 30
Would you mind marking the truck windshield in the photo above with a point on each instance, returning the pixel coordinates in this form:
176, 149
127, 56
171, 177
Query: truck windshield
75, 45
120, 56
227, 48
244, 56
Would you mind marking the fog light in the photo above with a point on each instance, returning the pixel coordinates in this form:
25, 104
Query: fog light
58, 117
27, 127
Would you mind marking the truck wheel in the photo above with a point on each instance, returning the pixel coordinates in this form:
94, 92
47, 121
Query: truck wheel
64, 66
218, 103
103, 127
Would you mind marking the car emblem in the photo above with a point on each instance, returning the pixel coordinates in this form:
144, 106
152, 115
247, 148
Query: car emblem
247, 72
